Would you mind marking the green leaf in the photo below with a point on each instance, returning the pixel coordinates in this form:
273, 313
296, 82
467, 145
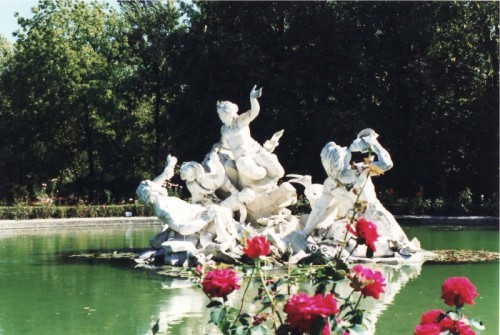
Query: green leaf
339, 275
356, 316
321, 288
156, 327
214, 303
280, 297
244, 320
266, 301
218, 315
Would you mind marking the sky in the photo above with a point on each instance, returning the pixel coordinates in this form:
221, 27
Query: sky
8, 23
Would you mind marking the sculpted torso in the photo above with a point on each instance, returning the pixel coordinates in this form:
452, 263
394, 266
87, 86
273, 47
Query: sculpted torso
238, 139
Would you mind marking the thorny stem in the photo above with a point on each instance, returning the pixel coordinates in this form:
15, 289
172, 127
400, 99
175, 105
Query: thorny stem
357, 304
354, 211
244, 294
357, 198
271, 300
288, 286
353, 250
346, 304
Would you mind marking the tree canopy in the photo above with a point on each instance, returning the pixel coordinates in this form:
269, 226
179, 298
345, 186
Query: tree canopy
97, 97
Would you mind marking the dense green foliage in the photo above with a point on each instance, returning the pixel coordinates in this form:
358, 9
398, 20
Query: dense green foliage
20, 211
96, 98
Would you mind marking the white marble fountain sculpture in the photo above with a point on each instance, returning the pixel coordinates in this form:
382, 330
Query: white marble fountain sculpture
236, 192
348, 185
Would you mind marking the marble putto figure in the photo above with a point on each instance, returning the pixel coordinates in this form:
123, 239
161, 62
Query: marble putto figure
237, 191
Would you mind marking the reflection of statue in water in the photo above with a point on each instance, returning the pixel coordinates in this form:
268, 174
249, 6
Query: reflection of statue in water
255, 164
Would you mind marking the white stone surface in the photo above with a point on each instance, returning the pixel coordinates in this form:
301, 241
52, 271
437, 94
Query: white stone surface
236, 192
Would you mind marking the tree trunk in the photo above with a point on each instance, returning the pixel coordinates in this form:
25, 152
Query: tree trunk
89, 144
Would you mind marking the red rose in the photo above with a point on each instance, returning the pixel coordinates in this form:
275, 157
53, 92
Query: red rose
427, 329
432, 317
303, 310
257, 246
366, 231
220, 283
457, 291
463, 329
371, 283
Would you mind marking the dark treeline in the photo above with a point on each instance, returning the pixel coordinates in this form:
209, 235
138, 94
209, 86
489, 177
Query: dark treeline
96, 98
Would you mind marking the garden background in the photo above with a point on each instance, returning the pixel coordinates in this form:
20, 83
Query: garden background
92, 99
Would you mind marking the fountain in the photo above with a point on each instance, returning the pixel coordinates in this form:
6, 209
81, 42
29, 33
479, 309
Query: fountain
237, 192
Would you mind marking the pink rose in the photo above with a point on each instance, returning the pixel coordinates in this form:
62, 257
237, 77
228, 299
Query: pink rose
220, 283
463, 329
303, 310
366, 231
432, 317
457, 291
257, 247
371, 283
437, 319
427, 329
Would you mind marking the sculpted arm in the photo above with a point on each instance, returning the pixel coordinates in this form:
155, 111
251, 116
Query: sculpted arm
168, 172
190, 227
185, 218
247, 117
243, 214
384, 161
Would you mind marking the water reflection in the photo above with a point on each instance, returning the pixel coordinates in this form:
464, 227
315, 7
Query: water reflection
397, 277
43, 293
183, 311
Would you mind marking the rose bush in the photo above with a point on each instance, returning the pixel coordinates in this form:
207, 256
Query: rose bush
456, 291
323, 312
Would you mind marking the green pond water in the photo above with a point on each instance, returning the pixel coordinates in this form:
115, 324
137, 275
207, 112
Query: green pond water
43, 292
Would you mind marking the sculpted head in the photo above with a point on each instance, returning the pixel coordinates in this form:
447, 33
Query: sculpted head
189, 171
227, 111
334, 159
148, 192
246, 195
359, 144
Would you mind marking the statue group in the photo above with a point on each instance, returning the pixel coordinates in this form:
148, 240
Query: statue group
238, 191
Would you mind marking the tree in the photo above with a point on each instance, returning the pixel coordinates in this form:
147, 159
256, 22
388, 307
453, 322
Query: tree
67, 63
153, 38
420, 73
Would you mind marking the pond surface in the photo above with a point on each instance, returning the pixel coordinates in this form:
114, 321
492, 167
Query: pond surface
423, 293
43, 292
